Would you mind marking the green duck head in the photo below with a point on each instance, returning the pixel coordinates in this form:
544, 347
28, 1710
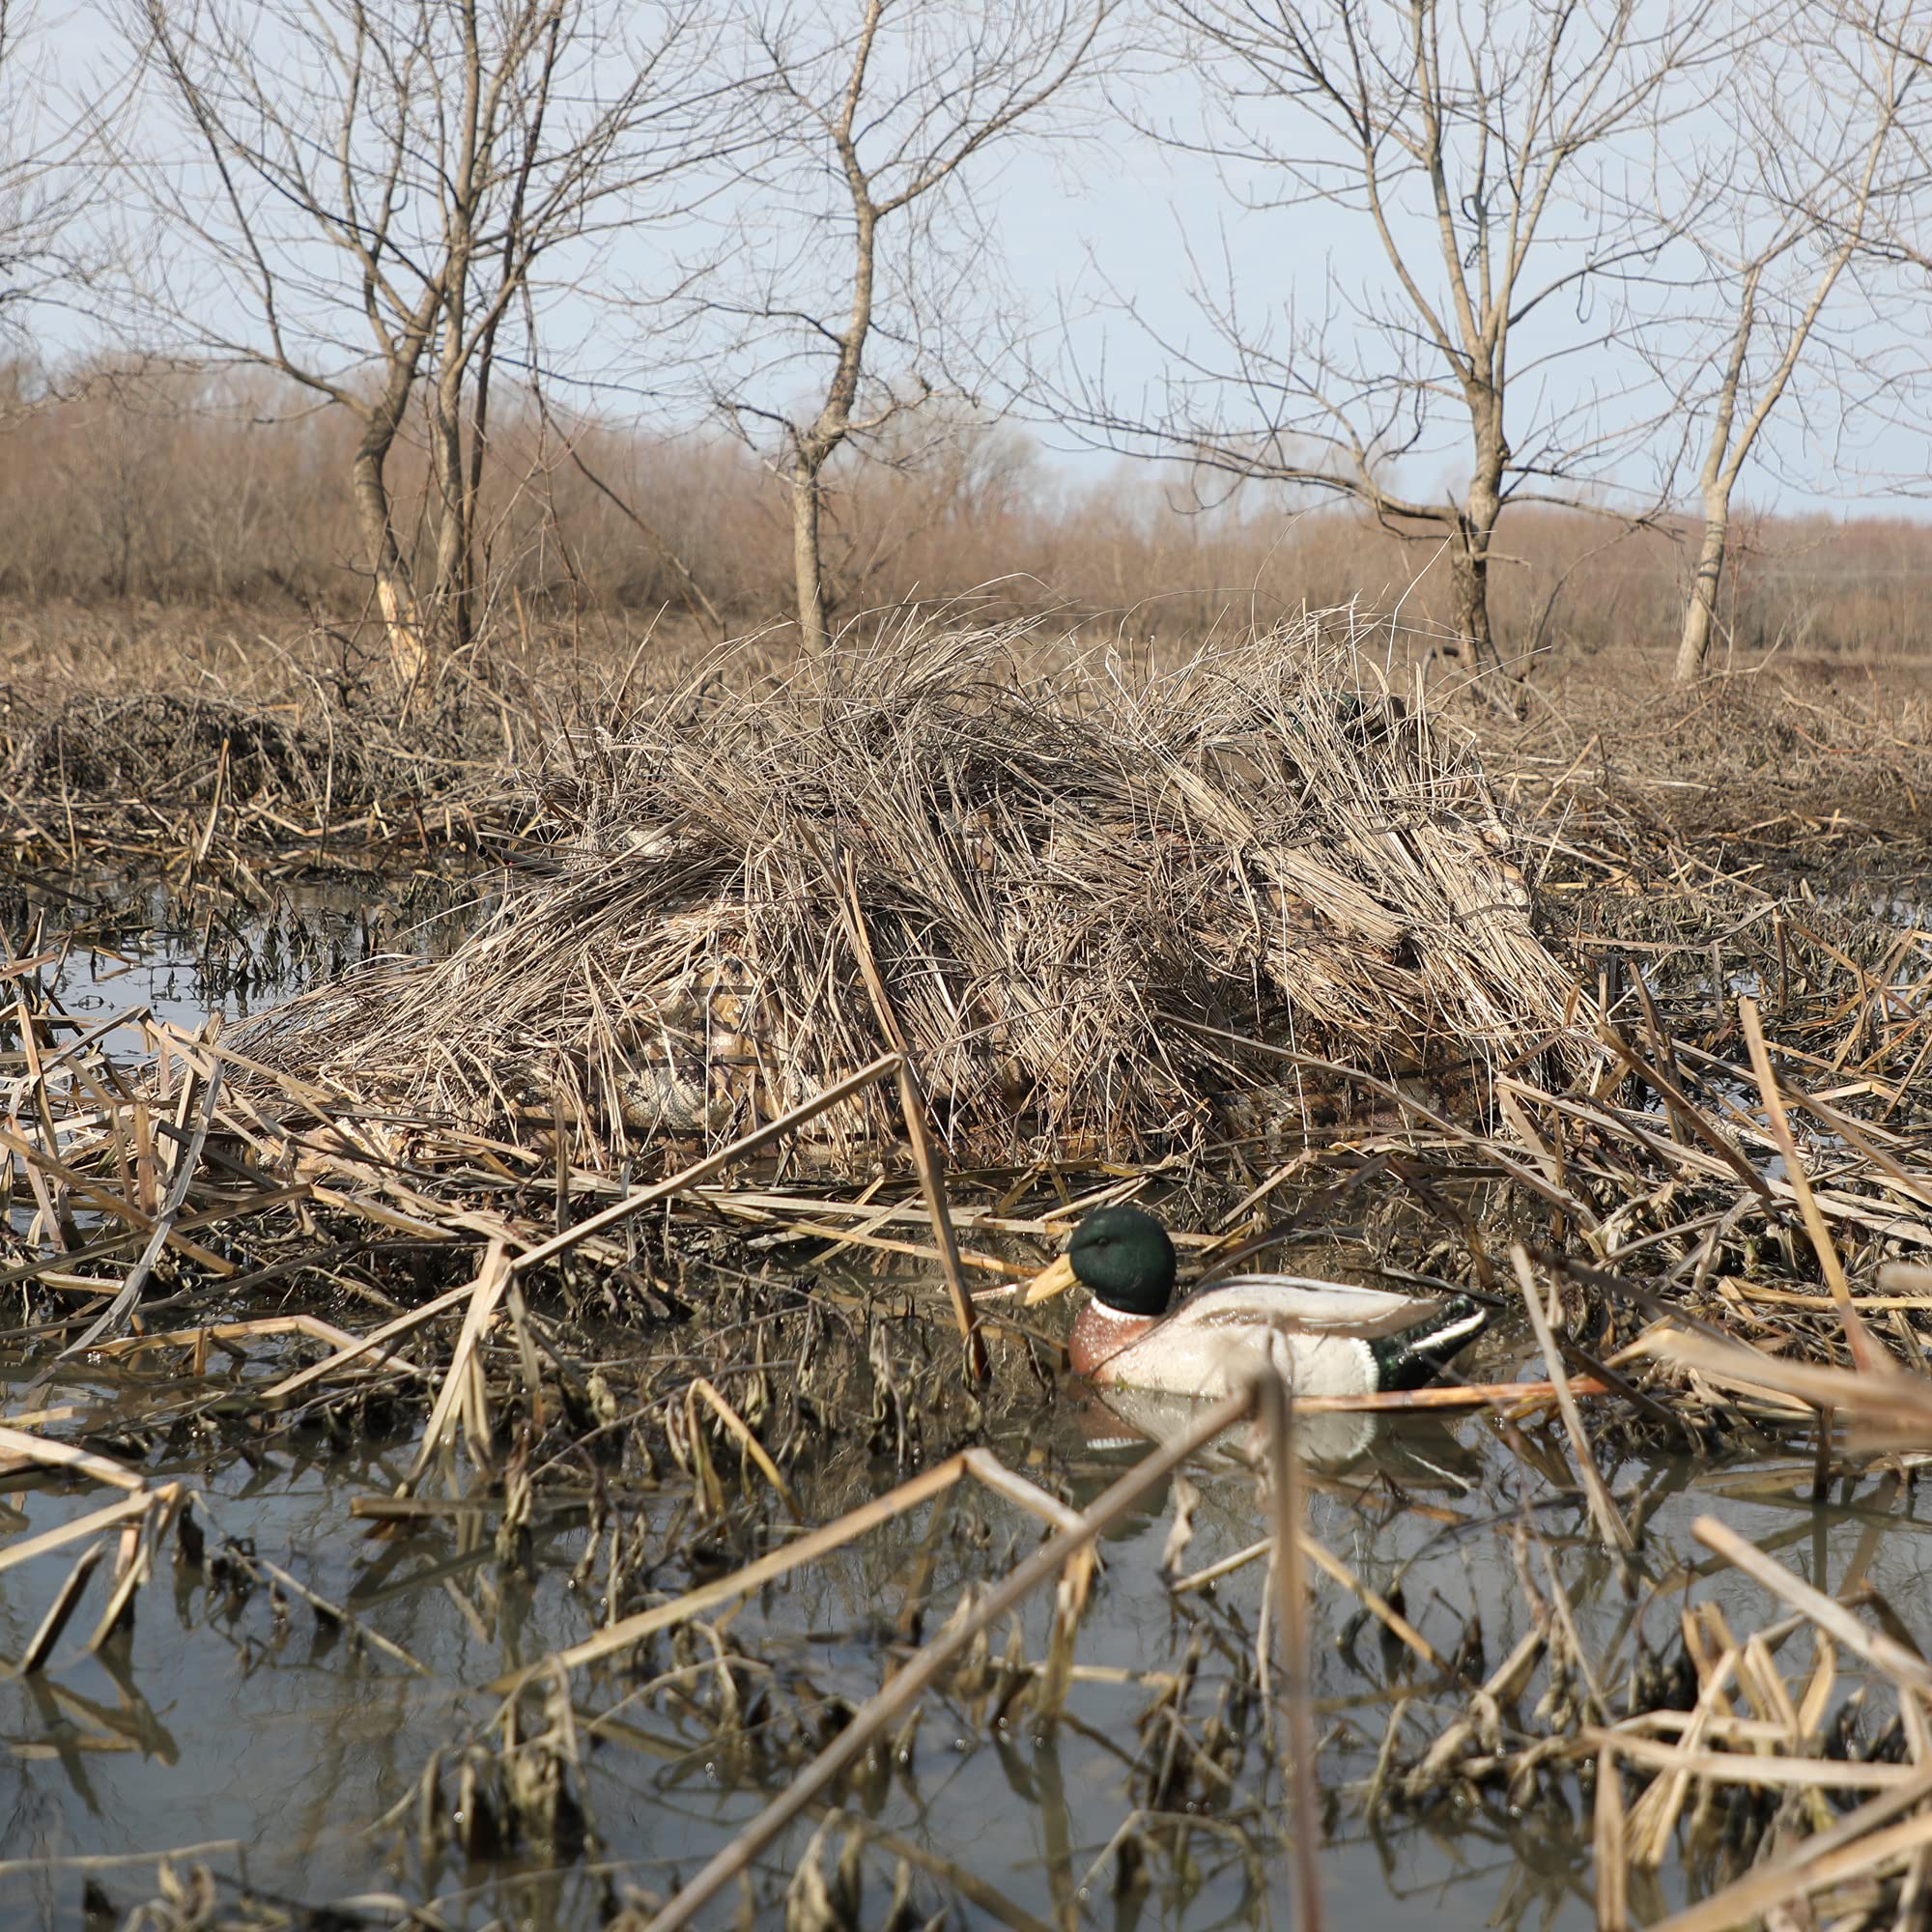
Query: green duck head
1122, 1255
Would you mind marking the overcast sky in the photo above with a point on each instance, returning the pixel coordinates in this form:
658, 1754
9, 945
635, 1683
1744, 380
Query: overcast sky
1076, 223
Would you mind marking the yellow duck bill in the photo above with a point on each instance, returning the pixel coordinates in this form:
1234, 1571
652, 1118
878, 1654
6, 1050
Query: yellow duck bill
1055, 1278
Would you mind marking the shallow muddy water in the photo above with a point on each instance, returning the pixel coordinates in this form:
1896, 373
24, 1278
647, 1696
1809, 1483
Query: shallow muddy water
236, 1728
277, 1747
184, 957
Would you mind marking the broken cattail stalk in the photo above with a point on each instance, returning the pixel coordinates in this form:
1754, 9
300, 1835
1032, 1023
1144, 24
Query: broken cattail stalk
1866, 1351
485, 1292
741, 1432
59, 1613
1882, 1653
1609, 1524
880, 1710
1276, 1407
1612, 1857
932, 1182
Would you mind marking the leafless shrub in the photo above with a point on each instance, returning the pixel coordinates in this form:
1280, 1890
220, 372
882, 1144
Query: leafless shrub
211, 498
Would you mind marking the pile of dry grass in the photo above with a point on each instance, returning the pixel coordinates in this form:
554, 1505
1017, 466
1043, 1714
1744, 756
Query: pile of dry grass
1052, 885
170, 748
183, 767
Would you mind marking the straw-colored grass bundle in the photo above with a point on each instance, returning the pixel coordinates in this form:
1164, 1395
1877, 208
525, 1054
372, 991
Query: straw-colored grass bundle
156, 746
1044, 883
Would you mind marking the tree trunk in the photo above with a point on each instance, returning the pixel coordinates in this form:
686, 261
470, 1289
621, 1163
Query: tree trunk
393, 593
1469, 595
1475, 532
453, 502
474, 567
1694, 644
808, 563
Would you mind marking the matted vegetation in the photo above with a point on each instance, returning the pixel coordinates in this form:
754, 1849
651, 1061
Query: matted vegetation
1698, 1165
151, 750
1058, 887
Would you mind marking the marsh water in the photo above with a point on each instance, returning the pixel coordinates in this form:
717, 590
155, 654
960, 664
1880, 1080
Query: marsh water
236, 1728
250, 1736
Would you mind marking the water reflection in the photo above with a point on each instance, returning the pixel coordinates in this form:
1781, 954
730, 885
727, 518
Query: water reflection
1422, 1450
229, 1719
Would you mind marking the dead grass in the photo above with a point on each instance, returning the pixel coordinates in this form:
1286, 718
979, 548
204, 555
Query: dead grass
141, 743
1716, 1193
1751, 755
1050, 882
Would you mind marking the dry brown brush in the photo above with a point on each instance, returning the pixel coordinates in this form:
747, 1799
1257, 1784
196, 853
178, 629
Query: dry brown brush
1706, 1216
206, 492
158, 749
1050, 881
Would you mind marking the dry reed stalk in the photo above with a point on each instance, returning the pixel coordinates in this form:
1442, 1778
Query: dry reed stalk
104, 1198
1653, 1819
1270, 1396
129, 1293
1014, 1274
332, 1612
67, 1600
1893, 1406
1071, 1593
912, 1106
880, 1710
807, 1549
493, 1277
115, 1514
746, 1440
1682, 1106
131, 1572
1855, 1845
706, 1169
1905, 1667
978, 1463
1866, 1351
932, 1181
1610, 1526
311, 1326
1337, 1572
1611, 1856
1523, 1397
1780, 1773
353, 1347
21, 1450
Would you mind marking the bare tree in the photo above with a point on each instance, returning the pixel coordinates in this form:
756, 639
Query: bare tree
1468, 141
1818, 167
43, 183
862, 236
370, 190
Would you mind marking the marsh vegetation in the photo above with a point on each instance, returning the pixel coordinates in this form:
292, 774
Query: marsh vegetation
573, 1336
601, 856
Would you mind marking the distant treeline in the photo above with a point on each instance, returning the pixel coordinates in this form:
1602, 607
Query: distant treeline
192, 491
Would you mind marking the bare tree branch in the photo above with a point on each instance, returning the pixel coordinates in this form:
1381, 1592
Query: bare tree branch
368, 189
875, 126
1469, 142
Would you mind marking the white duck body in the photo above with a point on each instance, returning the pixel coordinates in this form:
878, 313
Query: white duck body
1319, 1335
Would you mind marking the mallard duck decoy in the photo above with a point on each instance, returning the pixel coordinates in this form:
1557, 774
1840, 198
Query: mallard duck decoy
1325, 1337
